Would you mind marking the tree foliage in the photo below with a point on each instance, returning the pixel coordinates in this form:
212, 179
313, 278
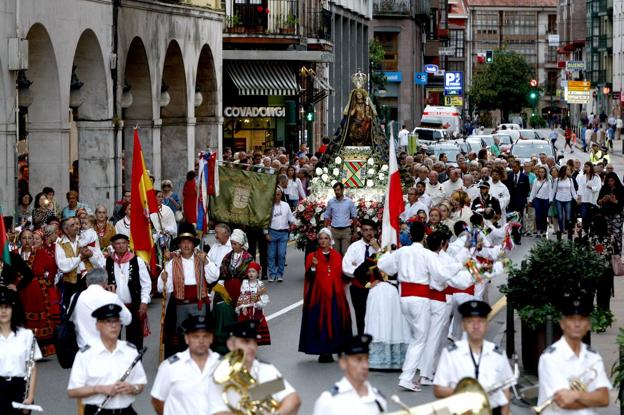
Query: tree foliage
503, 84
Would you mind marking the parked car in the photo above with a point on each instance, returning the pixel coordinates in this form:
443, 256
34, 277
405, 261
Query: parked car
505, 141
508, 126
450, 148
463, 146
478, 142
523, 150
530, 135
428, 136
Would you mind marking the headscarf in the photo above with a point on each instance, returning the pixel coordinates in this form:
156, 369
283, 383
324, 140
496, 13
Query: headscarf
240, 237
327, 232
254, 265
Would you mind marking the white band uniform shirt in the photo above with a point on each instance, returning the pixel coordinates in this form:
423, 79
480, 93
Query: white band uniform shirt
188, 265
456, 363
15, 352
558, 364
185, 388
94, 297
95, 365
344, 399
282, 217
122, 275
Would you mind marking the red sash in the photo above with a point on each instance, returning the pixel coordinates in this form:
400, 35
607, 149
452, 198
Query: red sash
411, 289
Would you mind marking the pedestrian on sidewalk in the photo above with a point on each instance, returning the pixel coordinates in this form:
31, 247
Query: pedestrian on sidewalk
611, 202
563, 194
568, 140
588, 188
539, 199
553, 137
618, 127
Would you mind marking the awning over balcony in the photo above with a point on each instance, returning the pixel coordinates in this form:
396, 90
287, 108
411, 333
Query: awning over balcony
262, 78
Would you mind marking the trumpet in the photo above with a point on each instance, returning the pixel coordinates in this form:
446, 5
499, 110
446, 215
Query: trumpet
507, 383
578, 383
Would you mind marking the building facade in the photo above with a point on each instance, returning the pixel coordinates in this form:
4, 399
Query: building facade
618, 58
85, 84
599, 54
400, 27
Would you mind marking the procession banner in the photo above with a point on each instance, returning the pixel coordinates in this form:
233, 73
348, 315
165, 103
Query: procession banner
245, 197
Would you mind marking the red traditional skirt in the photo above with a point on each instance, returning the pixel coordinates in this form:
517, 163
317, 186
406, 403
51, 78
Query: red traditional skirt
41, 302
264, 337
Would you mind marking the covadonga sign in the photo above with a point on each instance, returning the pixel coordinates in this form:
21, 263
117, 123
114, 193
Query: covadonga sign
254, 112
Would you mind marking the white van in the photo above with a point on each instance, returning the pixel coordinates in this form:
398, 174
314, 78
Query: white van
446, 118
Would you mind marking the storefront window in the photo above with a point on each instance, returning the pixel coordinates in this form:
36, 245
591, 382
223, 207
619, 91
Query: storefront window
250, 134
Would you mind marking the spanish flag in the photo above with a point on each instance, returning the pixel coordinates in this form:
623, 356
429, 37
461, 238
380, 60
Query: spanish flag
142, 203
4, 243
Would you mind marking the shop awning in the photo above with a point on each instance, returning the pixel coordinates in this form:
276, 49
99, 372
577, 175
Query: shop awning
262, 78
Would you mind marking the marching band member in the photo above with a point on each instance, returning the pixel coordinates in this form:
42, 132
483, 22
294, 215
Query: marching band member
415, 266
477, 358
243, 336
570, 358
353, 393
16, 346
186, 277
98, 368
182, 380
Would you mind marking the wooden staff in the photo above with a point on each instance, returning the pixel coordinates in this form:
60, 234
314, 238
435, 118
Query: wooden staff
161, 353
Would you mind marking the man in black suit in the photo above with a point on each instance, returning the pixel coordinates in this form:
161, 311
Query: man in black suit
519, 189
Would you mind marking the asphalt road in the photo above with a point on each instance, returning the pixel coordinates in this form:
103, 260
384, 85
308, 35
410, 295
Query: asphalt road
284, 310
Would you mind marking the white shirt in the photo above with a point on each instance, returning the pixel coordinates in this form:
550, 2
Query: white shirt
449, 187
473, 192
412, 210
588, 189
435, 192
456, 363
562, 190
619, 123
123, 226
217, 252
403, 136
426, 200
66, 264
294, 189
87, 237
501, 192
167, 220
94, 297
182, 385
354, 257
122, 275
344, 399
15, 352
188, 265
558, 364
95, 365
540, 190
282, 216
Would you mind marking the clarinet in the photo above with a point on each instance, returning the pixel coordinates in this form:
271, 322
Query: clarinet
123, 377
30, 366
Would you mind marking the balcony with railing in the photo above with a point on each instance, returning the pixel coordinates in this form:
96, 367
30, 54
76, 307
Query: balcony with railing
401, 8
263, 17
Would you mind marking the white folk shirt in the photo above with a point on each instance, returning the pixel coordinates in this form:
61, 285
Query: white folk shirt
354, 257
122, 275
217, 252
449, 187
123, 226
282, 217
588, 189
166, 222
435, 192
95, 365
183, 386
494, 368
94, 297
188, 265
66, 265
558, 364
15, 352
412, 210
344, 399
264, 372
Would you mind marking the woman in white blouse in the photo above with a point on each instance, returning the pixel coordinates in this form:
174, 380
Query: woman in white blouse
540, 200
294, 191
588, 188
563, 194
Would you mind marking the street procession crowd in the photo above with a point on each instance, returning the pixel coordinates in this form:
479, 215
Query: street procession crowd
458, 224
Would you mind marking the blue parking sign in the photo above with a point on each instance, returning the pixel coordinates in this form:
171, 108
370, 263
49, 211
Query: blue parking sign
420, 78
453, 83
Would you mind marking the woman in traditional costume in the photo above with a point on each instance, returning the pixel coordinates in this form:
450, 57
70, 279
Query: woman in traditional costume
326, 322
41, 299
104, 229
234, 265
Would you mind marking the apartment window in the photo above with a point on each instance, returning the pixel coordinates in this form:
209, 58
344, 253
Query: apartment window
444, 14
456, 41
551, 54
552, 23
390, 43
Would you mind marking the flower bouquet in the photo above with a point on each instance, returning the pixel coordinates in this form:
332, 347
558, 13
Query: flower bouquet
309, 220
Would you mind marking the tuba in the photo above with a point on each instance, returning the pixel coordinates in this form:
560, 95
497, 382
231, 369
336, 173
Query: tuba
468, 397
232, 373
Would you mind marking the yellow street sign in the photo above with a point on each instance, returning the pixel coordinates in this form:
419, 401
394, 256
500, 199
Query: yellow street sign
453, 101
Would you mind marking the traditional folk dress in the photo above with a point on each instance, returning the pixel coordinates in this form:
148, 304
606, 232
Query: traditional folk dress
234, 271
41, 299
326, 321
187, 286
253, 299
105, 233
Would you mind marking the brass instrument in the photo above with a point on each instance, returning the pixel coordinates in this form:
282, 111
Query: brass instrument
232, 373
468, 397
30, 366
507, 383
578, 383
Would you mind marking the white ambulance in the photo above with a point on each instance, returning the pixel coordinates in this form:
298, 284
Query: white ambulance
446, 118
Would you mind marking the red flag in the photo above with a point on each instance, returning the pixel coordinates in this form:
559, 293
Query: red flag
4, 243
393, 201
142, 203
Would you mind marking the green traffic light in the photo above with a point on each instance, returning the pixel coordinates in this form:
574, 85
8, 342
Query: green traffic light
310, 116
533, 95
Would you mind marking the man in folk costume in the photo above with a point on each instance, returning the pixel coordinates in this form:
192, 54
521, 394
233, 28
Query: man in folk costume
185, 280
74, 261
130, 278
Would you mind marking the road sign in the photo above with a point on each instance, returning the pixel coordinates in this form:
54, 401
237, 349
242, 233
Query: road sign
431, 68
579, 85
575, 66
577, 97
420, 78
453, 101
453, 83
395, 77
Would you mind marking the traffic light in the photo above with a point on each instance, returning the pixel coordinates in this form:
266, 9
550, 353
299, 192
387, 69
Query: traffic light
489, 56
309, 113
533, 95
